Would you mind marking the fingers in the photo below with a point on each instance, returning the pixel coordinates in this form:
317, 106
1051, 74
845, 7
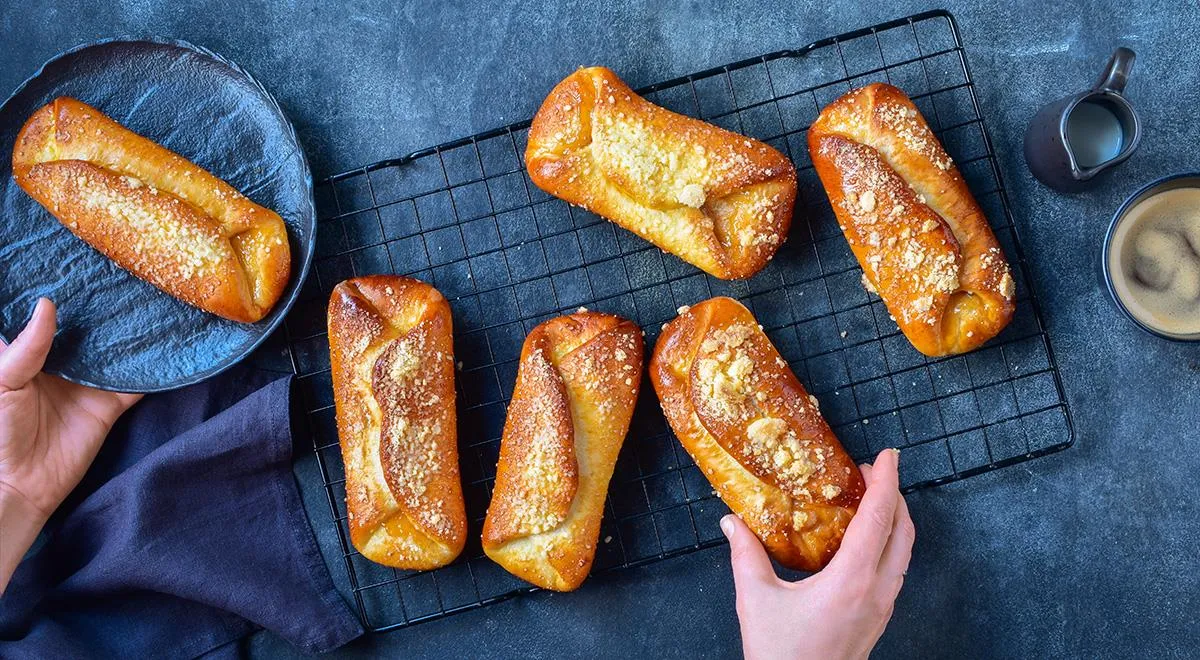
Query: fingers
894, 563
751, 566
127, 400
868, 532
22, 360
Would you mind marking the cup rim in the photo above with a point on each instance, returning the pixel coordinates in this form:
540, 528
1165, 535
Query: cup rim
1140, 194
1086, 174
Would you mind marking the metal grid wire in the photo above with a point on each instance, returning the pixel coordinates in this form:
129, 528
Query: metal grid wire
465, 217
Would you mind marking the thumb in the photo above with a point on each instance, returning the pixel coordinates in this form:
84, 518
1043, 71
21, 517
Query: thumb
24, 358
751, 566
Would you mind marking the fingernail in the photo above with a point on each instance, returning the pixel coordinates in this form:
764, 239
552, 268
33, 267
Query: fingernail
897, 450
727, 526
38, 307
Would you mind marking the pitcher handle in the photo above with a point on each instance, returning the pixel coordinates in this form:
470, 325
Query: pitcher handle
1116, 73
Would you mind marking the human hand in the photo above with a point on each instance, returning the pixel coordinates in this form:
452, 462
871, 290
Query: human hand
840, 612
50, 431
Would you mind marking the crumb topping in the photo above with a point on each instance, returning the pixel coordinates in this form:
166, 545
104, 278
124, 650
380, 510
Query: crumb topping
406, 389
733, 390
1008, 288
799, 520
725, 374
867, 201
774, 447
903, 247
692, 195
866, 282
546, 465
913, 132
200, 247
659, 172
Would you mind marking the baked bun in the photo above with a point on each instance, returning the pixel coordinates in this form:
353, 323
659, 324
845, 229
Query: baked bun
718, 200
755, 433
153, 212
922, 240
392, 354
576, 387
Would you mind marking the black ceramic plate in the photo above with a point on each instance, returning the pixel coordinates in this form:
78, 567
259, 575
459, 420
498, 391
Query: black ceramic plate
115, 331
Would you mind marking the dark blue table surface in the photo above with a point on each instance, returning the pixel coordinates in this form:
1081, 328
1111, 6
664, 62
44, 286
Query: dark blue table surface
1089, 552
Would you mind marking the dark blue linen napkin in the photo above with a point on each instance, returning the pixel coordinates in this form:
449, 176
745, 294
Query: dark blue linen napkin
186, 534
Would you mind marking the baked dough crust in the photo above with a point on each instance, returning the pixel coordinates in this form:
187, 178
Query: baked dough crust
577, 384
922, 241
755, 433
154, 213
392, 355
718, 200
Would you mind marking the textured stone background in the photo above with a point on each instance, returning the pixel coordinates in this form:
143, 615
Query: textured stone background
1089, 552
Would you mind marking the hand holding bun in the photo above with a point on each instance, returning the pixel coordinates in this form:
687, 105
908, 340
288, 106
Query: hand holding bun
151, 211
392, 353
576, 388
842, 611
755, 432
922, 241
718, 200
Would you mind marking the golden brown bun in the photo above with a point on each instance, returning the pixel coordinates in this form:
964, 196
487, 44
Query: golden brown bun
576, 386
755, 432
153, 212
392, 353
718, 200
923, 242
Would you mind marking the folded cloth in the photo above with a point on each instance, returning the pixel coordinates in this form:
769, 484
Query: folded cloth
186, 534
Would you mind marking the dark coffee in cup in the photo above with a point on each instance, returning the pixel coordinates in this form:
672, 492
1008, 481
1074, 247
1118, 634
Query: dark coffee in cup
1152, 259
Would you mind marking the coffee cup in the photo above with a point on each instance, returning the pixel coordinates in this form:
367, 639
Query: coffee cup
1151, 257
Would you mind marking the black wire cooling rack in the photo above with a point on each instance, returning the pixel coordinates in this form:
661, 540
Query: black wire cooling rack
465, 217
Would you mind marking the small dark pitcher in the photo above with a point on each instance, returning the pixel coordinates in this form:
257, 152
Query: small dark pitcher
1073, 139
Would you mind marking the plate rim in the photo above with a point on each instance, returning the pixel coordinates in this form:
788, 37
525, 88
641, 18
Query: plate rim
283, 306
